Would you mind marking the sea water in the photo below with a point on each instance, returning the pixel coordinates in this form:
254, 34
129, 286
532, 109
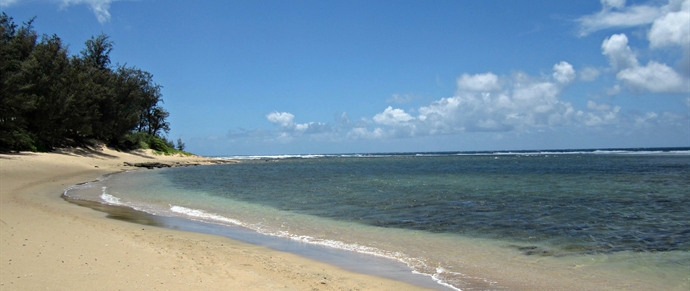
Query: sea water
468, 220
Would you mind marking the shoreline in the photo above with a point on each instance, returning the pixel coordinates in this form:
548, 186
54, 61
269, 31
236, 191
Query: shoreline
47, 243
348, 260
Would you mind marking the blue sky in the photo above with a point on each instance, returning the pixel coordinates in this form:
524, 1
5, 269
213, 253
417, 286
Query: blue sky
297, 77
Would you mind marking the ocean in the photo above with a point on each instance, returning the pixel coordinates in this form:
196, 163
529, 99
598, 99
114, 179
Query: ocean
466, 220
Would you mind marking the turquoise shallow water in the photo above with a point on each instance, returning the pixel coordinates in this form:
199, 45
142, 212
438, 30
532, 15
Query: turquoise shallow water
622, 212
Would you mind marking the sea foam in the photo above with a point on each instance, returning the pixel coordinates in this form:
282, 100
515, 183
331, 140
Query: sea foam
196, 213
110, 199
414, 264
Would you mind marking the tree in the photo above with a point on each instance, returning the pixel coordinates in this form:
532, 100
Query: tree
180, 144
157, 123
16, 45
42, 79
49, 99
152, 116
97, 52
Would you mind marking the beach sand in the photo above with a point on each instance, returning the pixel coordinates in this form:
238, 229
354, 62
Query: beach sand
47, 243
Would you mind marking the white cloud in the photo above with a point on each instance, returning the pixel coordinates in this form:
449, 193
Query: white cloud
284, 119
524, 102
672, 28
614, 14
479, 82
618, 15
517, 103
313, 128
520, 103
291, 129
619, 53
392, 116
99, 7
440, 116
669, 27
670, 23
563, 72
599, 117
654, 77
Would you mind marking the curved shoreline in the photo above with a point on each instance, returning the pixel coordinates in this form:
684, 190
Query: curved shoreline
348, 260
47, 243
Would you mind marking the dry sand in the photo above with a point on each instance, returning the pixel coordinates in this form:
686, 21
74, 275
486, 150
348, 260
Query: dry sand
49, 244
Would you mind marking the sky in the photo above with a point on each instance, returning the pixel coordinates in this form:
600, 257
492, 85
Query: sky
315, 77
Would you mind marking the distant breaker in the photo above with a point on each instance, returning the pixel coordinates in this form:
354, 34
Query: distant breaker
612, 151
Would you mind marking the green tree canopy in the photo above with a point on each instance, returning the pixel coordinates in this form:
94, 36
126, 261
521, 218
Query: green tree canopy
49, 99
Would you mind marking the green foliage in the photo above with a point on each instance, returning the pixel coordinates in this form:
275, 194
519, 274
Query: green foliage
180, 144
165, 147
49, 99
132, 141
20, 140
97, 52
16, 45
143, 140
159, 144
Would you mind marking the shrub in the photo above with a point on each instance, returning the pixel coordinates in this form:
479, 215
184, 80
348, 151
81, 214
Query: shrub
133, 141
160, 144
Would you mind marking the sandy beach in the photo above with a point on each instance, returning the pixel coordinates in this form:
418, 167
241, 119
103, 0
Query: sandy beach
47, 243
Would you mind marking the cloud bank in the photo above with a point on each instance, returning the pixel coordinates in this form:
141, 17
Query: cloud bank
488, 103
523, 103
289, 129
